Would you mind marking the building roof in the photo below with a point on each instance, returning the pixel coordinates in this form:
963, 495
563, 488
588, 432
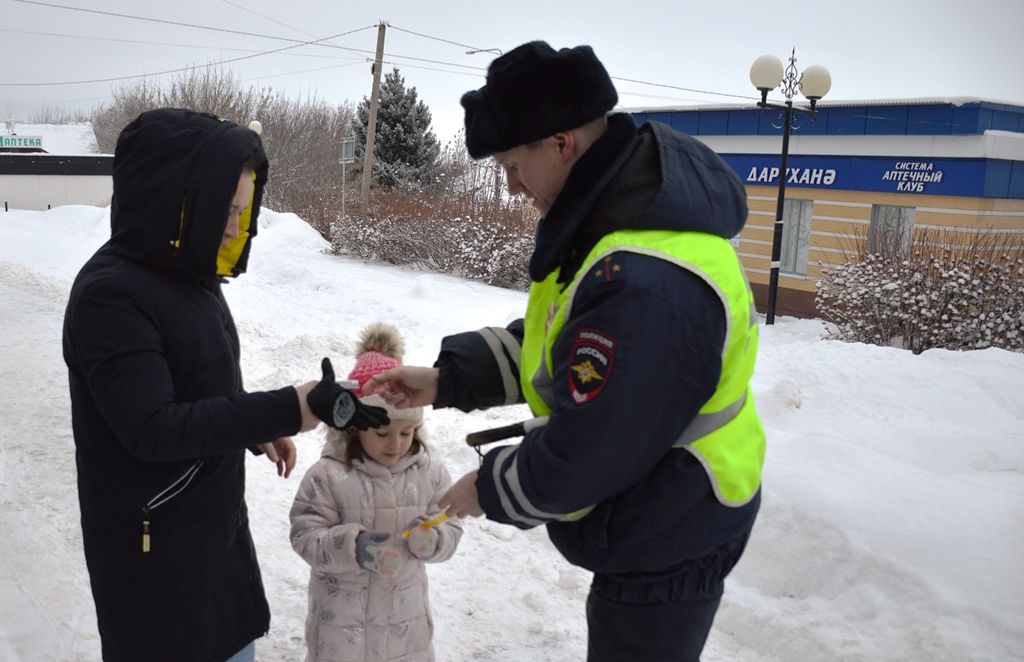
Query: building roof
832, 103
961, 146
891, 117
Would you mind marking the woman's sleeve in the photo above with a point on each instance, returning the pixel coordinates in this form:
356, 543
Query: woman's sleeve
122, 363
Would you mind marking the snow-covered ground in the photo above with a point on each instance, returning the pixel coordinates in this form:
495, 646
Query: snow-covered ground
891, 526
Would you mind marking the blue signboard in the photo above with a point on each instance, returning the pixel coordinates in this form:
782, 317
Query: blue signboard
922, 175
929, 176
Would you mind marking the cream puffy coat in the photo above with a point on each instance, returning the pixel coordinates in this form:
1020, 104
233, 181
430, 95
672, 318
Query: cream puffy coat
355, 616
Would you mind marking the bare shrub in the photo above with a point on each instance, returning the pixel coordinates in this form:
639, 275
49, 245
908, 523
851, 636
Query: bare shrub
303, 143
212, 90
58, 115
477, 185
302, 137
463, 223
435, 230
950, 288
127, 103
460, 222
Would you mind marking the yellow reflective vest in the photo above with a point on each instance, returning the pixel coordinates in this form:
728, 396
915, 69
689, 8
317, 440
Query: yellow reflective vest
726, 436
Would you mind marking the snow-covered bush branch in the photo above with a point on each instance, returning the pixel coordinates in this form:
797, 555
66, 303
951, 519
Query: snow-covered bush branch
953, 289
449, 231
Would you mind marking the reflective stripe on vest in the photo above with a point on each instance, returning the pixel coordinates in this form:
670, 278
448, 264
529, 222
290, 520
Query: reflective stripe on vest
726, 436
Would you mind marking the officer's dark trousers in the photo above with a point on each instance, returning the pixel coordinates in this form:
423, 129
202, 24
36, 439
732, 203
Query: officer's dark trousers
647, 623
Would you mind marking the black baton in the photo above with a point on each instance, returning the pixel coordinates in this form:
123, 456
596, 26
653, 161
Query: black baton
504, 432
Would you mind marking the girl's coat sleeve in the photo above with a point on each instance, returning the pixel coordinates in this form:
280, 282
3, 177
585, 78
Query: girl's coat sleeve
449, 532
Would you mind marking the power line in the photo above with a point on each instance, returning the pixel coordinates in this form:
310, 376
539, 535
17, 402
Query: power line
318, 43
413, 66
684, 89
297, 42
627, 93
170, 71
163, 43
423, 59
427, 36
56, 101
180, 23
630, 80
264, 16
303, 71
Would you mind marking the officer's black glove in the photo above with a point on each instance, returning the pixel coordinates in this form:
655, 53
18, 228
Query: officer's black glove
339, 407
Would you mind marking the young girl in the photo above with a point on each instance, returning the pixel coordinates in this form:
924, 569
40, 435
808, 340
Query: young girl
368, 585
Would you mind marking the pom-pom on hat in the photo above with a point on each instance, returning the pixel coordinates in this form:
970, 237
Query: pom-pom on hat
533, 92
380, 348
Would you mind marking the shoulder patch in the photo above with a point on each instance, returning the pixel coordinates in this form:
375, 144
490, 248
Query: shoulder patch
590, 364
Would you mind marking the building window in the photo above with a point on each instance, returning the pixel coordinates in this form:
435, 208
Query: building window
891, 229
796, 235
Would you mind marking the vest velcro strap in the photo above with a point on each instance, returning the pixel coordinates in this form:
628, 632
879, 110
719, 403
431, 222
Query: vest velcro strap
705, 424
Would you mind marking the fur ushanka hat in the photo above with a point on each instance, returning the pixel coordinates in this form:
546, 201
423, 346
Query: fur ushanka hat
533, 92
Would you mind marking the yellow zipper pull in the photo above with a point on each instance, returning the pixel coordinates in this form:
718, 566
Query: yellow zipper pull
145, 536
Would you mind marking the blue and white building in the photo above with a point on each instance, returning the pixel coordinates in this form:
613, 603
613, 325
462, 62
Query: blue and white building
859, 170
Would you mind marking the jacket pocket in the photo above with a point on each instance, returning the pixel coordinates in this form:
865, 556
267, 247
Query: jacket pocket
162, 499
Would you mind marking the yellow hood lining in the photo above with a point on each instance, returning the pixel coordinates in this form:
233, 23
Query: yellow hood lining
229, 254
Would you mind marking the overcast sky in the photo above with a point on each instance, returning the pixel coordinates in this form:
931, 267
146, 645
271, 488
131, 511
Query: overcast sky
873, 48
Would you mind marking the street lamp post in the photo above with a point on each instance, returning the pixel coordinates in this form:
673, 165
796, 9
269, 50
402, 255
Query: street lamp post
767, 74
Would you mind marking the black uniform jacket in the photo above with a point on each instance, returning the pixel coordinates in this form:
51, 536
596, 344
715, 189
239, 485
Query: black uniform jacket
159, 414
662, 328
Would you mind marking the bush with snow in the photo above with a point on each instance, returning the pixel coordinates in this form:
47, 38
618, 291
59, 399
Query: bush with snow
950, 289
445, 231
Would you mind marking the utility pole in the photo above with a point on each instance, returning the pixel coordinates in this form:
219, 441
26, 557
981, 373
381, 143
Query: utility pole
371, 126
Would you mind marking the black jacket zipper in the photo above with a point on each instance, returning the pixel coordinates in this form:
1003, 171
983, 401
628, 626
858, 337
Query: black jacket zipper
168, 493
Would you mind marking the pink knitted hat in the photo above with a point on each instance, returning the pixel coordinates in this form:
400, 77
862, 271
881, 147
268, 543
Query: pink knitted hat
368, 364
380, 348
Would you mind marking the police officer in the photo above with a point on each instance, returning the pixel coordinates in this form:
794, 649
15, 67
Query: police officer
635, 355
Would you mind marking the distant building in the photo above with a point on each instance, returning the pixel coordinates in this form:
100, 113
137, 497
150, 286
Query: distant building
48, 165
862, 169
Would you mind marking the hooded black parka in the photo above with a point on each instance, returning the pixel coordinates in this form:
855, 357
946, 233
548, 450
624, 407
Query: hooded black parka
159, 413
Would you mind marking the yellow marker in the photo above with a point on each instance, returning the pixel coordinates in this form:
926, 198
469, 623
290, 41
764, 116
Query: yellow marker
432, 522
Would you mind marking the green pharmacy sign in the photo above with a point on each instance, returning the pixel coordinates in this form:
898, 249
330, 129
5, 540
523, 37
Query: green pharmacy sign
21, 141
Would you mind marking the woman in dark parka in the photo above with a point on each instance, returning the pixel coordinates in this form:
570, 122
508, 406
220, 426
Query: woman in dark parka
160, 416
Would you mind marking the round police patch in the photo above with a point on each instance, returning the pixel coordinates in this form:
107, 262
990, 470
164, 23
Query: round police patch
590, 364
